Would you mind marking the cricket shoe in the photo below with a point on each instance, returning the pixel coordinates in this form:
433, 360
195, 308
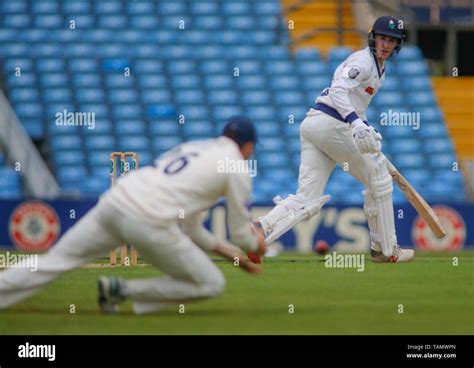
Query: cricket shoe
110, 294
399, 255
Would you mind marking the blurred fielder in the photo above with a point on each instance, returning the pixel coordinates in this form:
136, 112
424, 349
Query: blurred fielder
336, 131
158, 210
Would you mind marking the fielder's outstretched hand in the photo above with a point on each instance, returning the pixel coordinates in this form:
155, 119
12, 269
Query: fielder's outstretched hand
238, 258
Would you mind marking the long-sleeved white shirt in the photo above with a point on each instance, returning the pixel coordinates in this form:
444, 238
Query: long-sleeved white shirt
355, 83
187, 180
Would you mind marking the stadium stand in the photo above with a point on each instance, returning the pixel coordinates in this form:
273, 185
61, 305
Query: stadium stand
139, 66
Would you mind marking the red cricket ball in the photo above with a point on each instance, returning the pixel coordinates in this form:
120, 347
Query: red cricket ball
321, 247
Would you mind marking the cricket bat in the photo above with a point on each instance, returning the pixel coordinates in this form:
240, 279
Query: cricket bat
417, 201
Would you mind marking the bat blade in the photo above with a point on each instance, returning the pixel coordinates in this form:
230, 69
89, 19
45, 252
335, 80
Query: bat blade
417, 201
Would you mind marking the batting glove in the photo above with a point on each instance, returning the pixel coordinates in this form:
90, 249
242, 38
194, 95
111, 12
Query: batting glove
366, 137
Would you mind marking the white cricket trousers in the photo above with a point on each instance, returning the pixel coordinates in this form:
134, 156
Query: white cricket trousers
325, 141
190, 273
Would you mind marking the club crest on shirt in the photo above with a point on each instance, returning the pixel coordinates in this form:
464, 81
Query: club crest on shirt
353, 73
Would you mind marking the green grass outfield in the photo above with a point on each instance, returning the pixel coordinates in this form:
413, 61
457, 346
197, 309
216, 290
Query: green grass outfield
437, 298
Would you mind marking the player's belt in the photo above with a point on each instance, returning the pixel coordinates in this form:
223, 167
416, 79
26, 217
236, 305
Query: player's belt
332, 112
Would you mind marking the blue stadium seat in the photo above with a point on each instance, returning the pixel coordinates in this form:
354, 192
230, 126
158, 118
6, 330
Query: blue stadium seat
57, 95
93, 186
390, 99
84, 95
204, 8
144, 22
115, 65
391, 83
63, 142
28, 110
443, 160
222, 97
34, 127
100, 142
417, 83
316, 84
48, 21
220, 114
165, 128
130, 127
71, 174
24, 95
241, 52
412, 68
424, 98
273, 159
311, 68
218, 81
163, 144
86, 80
181, 67
141, 7
152, 81
17, 21
209, 22
280, 68
256, 97
214, 67
76, 7
338, 54
295, 113
308, 54
49, 80
198, 130
267, 128
228, 37
288, 98
430, 114
14, 7
98, 158
288, 82
435, 130
198, 37
69, 157
50, 65
261, 37
403, 161
243, 23
133, 143
117, 80
148, 66
439, 145
181, 82
410, 53
119, 96
267, 8
274, 53
407, 145
102, 126
155, 96
271, 23
124, 111
189, 96
260, 113
251, 82
248, 66
197, 112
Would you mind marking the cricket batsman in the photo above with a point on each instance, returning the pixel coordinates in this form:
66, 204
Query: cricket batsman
158, 209
336, 131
